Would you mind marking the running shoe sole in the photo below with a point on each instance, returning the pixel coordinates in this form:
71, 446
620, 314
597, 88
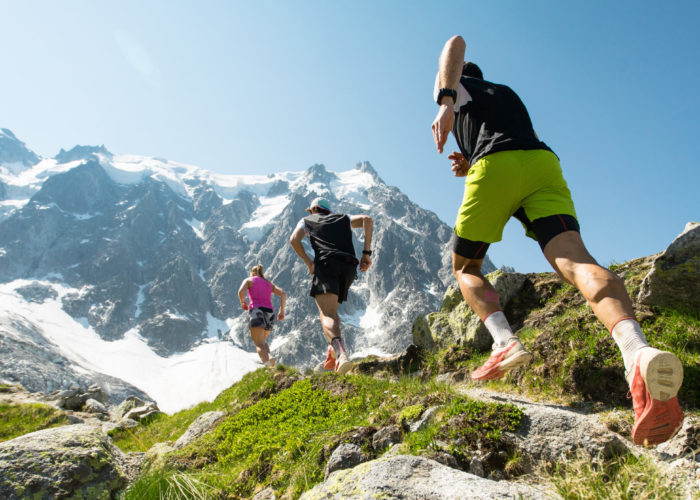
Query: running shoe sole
345, 367
516, 360
510, 363
662, 373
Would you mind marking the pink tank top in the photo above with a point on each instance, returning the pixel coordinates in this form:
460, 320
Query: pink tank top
260, 293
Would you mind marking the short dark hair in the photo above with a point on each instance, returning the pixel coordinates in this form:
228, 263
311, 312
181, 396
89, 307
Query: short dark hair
321, 211
471, 69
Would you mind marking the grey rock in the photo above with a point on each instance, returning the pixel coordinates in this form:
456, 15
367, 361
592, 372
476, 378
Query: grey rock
202, 424
553, 433
386, 437
94, 406
456, 323
76, 461
674, 278
127, 423
129, 404
476, 467
266, 494
141, 412
345, 456
414, 478
685, 443
425, 418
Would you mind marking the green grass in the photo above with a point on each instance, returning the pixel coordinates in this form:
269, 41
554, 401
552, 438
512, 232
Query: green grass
19, 419
623, 478
169, 428
169, 485
284, 437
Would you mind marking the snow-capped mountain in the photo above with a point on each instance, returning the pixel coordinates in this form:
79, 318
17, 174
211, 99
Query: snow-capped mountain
110, 255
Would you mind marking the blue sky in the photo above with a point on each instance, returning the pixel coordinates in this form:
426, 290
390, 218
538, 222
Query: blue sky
266, 86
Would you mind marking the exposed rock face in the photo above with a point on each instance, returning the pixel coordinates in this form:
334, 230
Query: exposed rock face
29, 359
164, 250
456, 323
413, 478
674, 278
76, 461
345, 456
202, 424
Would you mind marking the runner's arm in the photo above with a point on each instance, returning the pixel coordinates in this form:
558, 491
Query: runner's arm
295, 241
241, 292
283, 301
367, 225
450, 69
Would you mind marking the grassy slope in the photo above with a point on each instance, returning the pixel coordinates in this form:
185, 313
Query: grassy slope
282, 425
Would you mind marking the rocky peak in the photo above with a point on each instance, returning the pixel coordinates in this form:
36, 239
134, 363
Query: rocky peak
81, 153
13, 152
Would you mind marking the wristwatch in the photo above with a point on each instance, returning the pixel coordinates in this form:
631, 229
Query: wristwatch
366, 252
446, 92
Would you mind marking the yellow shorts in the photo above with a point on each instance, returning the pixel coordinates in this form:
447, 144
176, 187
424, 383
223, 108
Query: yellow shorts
500, 183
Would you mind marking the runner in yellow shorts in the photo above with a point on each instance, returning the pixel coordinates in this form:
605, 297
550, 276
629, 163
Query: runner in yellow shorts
511, 173
527, 184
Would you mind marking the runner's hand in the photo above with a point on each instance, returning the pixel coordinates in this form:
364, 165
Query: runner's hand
365, 262
460, 165
443, 125
280, 315
244, 305
311, 267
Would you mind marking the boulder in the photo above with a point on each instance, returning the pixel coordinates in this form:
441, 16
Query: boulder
345, 456
128, 404
456, 323
386, 437
94, 406
141, 412
202, 424
76, 461
674, 278
414, 478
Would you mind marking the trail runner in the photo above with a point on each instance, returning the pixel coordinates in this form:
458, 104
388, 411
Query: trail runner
260, 310
510, 172
333, 268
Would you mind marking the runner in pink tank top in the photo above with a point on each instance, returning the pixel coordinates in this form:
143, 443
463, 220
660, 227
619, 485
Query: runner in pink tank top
260, 310
260, 293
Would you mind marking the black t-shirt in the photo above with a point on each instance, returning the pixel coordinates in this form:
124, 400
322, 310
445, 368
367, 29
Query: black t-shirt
494, 119
330, 236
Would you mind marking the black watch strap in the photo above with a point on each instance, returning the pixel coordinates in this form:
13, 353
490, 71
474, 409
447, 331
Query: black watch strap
446, 92
366, 252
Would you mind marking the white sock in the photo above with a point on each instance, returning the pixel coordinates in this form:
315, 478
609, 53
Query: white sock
498, 327
629, 338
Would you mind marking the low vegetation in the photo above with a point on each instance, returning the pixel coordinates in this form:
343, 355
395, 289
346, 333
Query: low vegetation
281, 425
19, 419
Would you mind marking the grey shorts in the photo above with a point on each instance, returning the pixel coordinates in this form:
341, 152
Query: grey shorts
261, 317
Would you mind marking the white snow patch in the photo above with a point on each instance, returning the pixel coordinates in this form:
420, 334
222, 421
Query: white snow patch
262, 217
352, 186
177, 382
198, 227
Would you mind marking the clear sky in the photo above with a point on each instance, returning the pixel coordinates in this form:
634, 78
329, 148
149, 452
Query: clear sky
266, 86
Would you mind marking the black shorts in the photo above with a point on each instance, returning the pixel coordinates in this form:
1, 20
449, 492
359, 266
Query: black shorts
261, 316
544, 230
333, 276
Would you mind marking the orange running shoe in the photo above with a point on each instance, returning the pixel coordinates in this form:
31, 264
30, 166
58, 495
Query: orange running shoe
654, 381
502, 360
329, 363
